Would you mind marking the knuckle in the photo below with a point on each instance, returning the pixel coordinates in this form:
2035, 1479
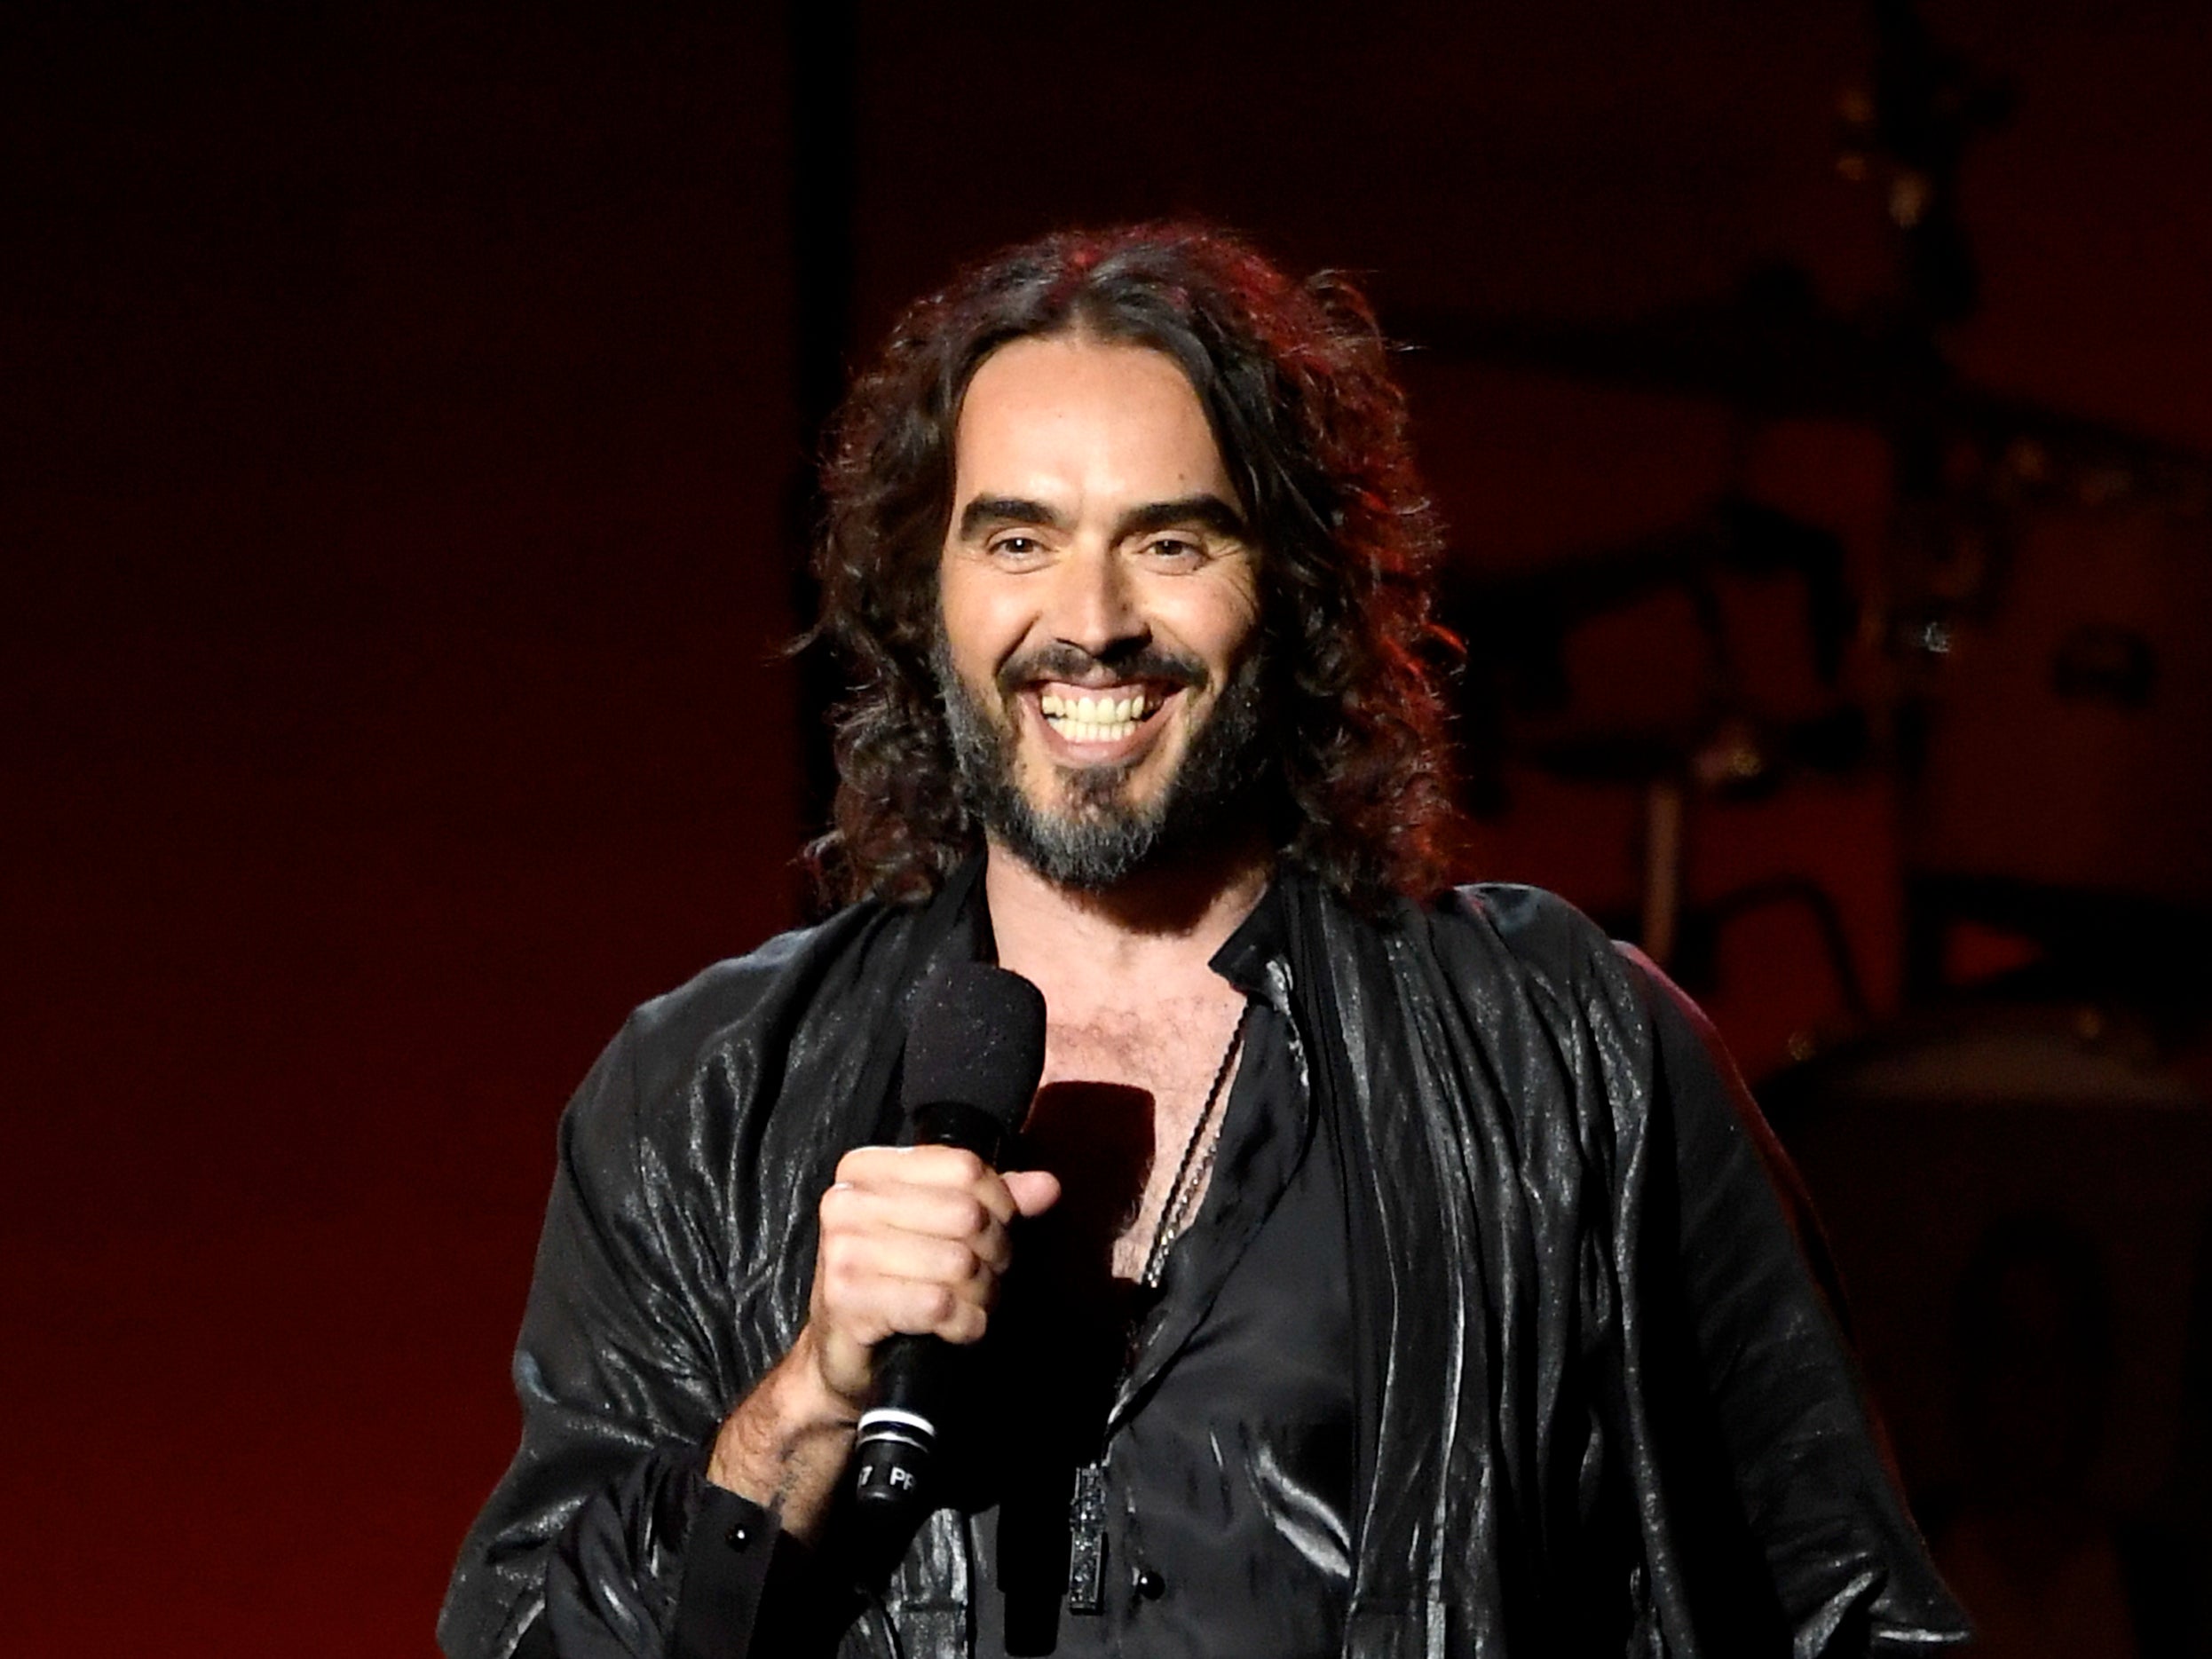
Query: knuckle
861, 1162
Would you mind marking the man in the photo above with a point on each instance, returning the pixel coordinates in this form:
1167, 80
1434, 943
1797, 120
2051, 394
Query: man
1383, 1274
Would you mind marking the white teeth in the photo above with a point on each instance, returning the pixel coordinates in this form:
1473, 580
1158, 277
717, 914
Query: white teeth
1093, 730
1089, 719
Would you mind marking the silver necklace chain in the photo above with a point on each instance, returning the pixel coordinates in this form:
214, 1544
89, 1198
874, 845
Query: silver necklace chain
1190, 1173
1086, 1507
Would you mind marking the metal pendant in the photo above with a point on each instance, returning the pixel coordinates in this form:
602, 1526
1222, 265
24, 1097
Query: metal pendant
1086, 1540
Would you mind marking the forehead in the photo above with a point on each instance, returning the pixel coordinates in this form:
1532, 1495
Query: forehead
1085, 413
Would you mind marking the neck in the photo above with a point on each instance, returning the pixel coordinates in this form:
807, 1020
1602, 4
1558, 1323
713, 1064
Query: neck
1153, 922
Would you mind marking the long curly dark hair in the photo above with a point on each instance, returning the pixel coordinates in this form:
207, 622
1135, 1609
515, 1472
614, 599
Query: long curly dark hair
1295, 381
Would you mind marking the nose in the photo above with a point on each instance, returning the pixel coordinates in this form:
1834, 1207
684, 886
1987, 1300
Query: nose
1094, 604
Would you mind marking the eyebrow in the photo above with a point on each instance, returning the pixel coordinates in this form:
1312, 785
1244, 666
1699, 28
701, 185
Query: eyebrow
1206, 509
986, 512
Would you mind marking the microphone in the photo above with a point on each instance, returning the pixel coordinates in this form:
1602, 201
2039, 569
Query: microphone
974, 1050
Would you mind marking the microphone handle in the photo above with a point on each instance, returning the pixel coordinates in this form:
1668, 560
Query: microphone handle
898, 1441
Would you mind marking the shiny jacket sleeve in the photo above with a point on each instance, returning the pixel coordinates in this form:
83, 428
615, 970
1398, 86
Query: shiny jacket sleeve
1739, 1300
670, 1274
583, 1541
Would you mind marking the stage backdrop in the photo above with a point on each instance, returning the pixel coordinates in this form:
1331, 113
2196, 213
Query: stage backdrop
397, 427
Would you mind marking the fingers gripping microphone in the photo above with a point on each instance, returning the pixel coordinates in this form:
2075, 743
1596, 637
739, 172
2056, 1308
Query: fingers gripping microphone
975, 1050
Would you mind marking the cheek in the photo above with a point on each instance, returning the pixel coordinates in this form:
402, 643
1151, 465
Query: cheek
969, 616
987, 623
1222, 624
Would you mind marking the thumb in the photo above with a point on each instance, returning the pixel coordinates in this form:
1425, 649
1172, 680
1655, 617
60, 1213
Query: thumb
1034, 1191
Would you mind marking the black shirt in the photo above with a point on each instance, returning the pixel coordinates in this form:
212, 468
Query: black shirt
1227, 1435
1228, 1459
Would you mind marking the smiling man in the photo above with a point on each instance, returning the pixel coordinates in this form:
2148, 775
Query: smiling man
1101, 612
1382, 1269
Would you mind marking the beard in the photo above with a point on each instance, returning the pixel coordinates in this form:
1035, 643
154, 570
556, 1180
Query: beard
1091, 836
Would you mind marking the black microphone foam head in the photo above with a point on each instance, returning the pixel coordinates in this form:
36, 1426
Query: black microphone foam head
976, 1037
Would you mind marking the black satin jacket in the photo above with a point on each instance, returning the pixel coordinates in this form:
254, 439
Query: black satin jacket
1603, 1405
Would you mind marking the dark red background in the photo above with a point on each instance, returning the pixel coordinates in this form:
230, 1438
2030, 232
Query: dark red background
395, 410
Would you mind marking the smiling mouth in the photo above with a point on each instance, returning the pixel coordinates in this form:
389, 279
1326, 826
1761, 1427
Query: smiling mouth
1100, 718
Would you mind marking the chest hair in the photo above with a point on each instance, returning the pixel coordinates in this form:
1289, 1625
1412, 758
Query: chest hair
1166, 1052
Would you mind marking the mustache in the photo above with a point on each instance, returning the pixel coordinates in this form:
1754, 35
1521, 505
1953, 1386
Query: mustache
1061, 661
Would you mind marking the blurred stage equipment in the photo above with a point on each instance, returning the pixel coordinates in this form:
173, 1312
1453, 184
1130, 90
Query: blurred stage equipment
2044, 606
1925, 1144
1698, 730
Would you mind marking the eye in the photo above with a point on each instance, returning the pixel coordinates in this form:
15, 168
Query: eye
1014, 548
1175, 549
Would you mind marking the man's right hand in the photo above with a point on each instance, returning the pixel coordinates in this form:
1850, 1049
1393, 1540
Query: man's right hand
914, 1239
